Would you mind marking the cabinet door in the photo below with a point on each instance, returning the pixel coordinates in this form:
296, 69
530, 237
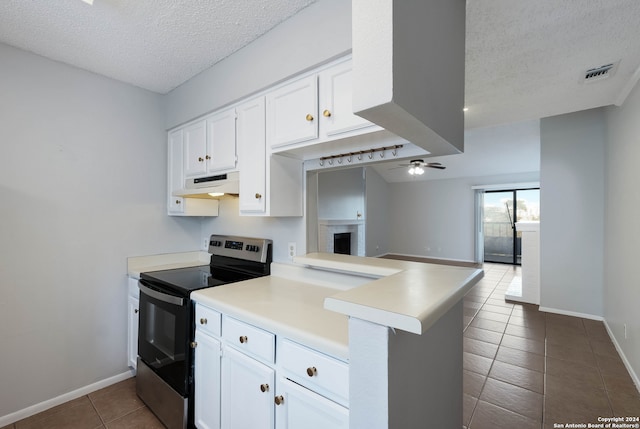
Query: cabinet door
132, 337
336, 108
247, 392
252, 156
292, 113
207, 382
304, 409
175, 205
221, 142
195, 149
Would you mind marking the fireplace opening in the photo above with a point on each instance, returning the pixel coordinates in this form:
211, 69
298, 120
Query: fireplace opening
342, 243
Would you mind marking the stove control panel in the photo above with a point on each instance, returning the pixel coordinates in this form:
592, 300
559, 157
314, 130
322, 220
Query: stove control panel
250, 249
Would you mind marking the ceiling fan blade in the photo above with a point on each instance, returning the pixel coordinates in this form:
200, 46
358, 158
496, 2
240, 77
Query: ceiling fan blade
440, 167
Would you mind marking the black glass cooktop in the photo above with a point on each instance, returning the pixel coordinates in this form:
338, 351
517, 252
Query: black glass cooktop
186, 280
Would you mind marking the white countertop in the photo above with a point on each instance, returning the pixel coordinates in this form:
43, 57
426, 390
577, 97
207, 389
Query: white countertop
411, 296
290, 308
165, 261
300, 303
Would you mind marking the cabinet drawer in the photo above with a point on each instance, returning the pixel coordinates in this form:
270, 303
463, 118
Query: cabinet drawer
315, 370
248, 338
207, 320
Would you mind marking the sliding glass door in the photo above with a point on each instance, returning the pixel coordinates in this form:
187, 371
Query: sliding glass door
501, 210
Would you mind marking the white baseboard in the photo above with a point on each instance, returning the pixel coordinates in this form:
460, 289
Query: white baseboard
58, 400
571, 313
634, 376
632, 373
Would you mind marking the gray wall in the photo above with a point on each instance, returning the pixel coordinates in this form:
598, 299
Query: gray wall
341, 194
436, 218
316, 34
572, 212
622, 230
376, 213
82, 184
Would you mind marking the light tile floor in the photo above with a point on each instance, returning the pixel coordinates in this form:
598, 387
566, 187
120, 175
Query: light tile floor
522, 369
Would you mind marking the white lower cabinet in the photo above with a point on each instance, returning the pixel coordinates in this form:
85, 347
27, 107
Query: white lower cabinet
132, 322
247, 392
235, 379
207, 381
301, 408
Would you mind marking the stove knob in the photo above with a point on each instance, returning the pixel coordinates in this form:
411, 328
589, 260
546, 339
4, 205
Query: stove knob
256, 248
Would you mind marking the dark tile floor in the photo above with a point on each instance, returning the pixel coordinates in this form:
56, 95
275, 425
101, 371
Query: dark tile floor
114, 407
522, 369
527, 369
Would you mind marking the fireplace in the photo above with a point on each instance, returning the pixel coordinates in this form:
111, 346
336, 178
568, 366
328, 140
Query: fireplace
342, 243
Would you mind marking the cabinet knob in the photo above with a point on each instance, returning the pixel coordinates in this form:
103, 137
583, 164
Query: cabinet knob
279, 400
193, 344
309, 117
326, 113
264, 388
178, 201
207, 157
136, 311
203, 321
200, 159
258, 196
243, 339
311, 371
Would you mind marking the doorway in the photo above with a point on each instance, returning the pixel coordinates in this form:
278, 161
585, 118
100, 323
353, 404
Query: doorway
501, 210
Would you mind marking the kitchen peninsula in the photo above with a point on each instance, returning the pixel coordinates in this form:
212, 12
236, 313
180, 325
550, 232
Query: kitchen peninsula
352, 341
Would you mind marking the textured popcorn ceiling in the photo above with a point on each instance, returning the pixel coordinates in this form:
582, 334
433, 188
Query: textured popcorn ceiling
524, 58
153, 44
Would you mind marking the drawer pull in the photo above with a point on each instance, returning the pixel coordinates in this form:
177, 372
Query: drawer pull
309, 117
203, 321
279, 400
193, 344
311, 371
264, 388
243, 339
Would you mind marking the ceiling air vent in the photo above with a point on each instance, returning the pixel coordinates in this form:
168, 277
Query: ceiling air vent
599, 73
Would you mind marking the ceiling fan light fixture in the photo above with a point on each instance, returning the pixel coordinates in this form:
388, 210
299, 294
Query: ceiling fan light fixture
419, 170
412, 170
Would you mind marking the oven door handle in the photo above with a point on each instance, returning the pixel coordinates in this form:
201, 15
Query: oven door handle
169, 299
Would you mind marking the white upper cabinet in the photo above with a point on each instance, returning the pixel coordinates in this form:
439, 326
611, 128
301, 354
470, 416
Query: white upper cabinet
313, 109
292, 113
252, 153
210, 145
175, 205
195, 149
335, 101
221, 142
270, 185
179, 206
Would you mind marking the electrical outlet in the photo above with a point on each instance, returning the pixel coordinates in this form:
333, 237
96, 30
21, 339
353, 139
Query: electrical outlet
292, 250
205, 243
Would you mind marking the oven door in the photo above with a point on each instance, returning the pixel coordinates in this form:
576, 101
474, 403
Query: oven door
163, 337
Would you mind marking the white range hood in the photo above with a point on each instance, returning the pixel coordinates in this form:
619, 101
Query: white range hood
408, 69
201, 187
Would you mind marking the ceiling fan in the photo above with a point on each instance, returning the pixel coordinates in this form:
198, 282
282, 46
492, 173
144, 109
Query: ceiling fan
417, 166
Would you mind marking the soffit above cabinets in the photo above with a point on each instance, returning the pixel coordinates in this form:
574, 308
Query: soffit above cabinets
408, 70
